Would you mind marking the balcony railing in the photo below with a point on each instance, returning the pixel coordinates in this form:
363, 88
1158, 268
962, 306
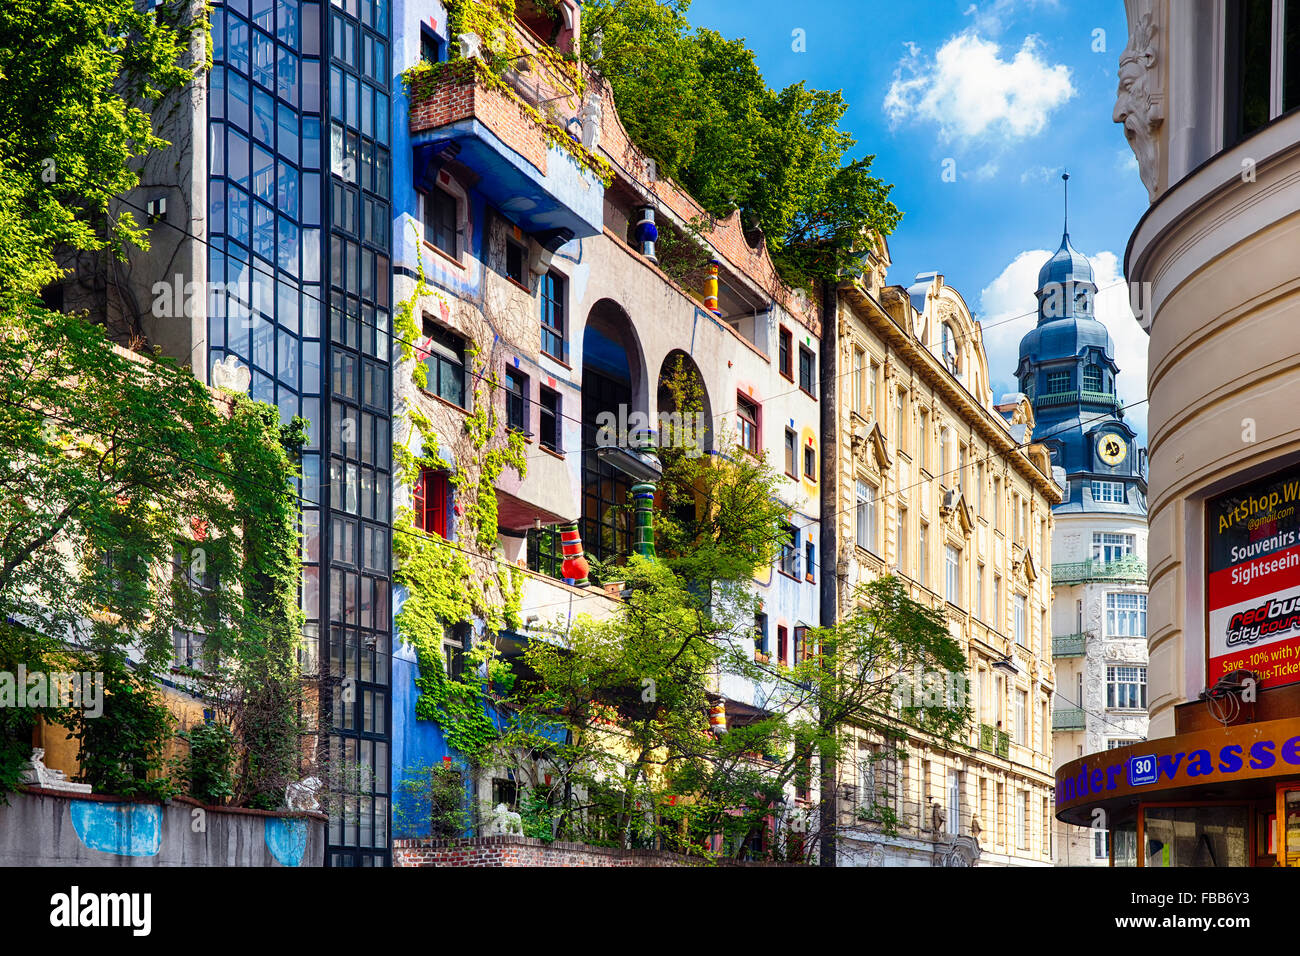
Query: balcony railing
1069, 645
1067, 718
994, 741
1131, 569
1073, 396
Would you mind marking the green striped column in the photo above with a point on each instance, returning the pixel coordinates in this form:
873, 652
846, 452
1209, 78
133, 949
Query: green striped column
643, 529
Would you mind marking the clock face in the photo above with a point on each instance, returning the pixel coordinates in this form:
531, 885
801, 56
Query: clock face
1112, 449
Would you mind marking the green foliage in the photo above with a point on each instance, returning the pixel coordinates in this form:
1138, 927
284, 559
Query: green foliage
78, 79
20, 647
698, 104
207, 771
122, 748
430, 802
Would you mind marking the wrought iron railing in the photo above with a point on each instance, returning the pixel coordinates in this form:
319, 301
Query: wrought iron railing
1069, 645
1123, 569
1067, 718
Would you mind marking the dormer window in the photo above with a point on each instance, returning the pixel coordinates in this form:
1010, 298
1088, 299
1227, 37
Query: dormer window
1092, 380
1058, 382
949, 349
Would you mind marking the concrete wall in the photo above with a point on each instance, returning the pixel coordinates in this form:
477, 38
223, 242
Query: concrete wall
46, 828
525, 851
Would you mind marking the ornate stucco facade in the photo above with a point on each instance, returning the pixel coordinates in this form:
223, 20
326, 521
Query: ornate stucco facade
942, 487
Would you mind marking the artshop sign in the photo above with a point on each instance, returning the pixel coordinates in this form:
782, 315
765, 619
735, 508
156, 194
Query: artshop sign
1253, 580
1241, 752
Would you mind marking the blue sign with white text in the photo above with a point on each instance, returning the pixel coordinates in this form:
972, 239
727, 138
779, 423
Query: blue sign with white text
1141, 771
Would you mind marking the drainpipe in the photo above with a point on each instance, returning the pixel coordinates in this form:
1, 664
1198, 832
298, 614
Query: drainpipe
829, 588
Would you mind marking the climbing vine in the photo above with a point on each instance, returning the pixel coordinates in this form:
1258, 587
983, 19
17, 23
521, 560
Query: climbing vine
451, 583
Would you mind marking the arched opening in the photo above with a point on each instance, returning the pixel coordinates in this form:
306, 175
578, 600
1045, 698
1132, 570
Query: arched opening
613, 390
680, 383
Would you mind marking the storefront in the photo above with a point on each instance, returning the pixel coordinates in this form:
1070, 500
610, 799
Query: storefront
1228, 796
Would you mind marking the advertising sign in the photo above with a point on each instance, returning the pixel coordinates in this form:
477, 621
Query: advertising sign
1253, 580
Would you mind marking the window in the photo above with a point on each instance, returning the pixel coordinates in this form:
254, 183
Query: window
515, 257
952, 824
801, 648
810, 561
1101, 844
961, 468
429, 46
873, 375
516, 400
923, 438
859, 385
977, 493
949, 348
810, 462
785, 353
945, 456
979, 591
807, 371
1022, 718
782, 644
922, 555
548, 418
1092, 378
1261, 64
997, 503
900, 403
1107, 546
952, 574
455, 640
866, 516
1126, 615
445, 364
432, 491
1126, 687
791, 454
1022, 819
187, 649
997, 602
760, 632
1058, 382
747, 423
789, 557
441, 218
1110, 491
553, 287
900, 540
1020, 620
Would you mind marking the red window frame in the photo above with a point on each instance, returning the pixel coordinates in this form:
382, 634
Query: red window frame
432, 491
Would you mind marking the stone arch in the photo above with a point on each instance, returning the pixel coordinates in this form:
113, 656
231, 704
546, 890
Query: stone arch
694, 379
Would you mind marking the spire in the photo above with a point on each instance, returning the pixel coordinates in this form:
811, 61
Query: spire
1065, 178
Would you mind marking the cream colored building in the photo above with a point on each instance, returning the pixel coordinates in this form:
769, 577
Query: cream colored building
935, 486
1215, 270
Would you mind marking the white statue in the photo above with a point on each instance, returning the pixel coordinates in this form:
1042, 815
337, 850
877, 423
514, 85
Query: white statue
470, 44
1137, 106
505, 822
228, 374
591, 123
36, 774
302, 795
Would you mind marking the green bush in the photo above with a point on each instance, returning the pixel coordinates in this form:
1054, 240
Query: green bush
207, 772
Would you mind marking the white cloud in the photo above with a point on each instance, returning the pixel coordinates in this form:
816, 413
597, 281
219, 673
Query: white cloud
983, 173
1126, 161
1008, 310
991, 18
1040, 174
975, 95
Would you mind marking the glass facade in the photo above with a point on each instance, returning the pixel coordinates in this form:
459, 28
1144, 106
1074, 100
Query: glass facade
299, 200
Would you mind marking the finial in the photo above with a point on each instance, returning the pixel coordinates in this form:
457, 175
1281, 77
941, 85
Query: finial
1065, 178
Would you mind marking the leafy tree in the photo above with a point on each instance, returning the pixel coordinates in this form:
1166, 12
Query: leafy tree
698, 104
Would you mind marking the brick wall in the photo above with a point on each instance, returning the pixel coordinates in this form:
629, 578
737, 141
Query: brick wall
453, 100
525, 851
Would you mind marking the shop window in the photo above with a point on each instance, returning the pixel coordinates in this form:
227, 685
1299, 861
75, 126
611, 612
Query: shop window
1196, 836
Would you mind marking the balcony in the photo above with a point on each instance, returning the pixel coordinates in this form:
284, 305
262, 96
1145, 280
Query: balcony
1129, 569
1069, 645
994, 741
1076, 396
1068, 718
521, 133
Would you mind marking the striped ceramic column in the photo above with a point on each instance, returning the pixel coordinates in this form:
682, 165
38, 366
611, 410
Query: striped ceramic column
574, 566
643, 531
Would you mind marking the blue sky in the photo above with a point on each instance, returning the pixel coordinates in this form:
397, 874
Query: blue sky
1001, 94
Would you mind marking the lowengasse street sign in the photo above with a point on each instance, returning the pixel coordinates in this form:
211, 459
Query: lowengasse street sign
1253, 580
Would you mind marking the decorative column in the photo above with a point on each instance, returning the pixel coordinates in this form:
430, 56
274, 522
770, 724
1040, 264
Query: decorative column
647, 232
643, 530
574, 566
711, 288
